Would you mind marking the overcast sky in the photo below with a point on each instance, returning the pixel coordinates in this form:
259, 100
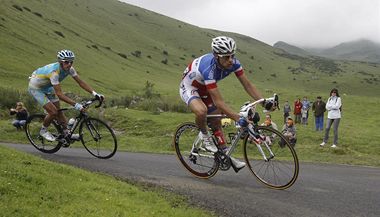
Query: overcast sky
306, 23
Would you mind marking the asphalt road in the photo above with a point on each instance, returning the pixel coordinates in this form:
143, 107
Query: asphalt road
321, 189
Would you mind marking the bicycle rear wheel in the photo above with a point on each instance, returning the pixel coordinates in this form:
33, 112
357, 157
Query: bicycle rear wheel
98, 138
272, 159
32, 130
192, 156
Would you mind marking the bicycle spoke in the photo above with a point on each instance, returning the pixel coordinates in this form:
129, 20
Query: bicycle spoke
280, 170
32, 129
192, 156
98, 138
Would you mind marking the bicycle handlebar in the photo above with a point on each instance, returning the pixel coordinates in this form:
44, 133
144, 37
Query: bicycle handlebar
86, 104
275, 100
247, 106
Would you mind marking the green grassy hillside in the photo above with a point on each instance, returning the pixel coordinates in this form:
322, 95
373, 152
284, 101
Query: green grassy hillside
119, 47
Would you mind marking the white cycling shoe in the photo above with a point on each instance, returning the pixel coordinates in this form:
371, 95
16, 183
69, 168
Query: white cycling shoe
208, 143
237, 163
47, 135
75, 137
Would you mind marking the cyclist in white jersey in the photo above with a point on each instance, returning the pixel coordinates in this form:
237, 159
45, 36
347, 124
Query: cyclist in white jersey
199, 90
44, 86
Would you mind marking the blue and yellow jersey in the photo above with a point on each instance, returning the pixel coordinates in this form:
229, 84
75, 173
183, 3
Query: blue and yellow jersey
49, 75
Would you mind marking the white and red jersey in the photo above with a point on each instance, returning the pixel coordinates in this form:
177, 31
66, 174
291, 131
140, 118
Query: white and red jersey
203, 74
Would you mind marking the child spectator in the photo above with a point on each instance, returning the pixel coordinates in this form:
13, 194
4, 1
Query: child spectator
289, 131
268, 122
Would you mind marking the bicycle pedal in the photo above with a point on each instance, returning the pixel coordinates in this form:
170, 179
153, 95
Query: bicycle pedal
66, 145
235, 168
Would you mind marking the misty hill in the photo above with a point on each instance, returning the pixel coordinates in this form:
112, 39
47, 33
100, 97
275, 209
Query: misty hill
361, 50
119, 47
291, 49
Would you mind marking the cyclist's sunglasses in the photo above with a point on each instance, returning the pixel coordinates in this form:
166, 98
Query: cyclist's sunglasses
226, 56
67, 61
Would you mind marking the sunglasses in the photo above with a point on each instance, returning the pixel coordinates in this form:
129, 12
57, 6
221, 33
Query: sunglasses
228, 56
67, 62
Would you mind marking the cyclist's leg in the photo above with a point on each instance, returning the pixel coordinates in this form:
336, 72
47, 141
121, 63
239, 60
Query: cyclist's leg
60, 115
189, 94
45, 97
200, 110
216, 125
51, 113
50, 106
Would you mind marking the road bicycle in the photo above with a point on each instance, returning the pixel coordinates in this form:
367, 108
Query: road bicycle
95, 135
267, 153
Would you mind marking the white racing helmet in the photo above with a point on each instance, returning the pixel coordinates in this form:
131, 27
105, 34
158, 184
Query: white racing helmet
65, 55
223, 45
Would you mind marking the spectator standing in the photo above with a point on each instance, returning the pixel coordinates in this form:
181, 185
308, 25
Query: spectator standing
305, 110
297, 110
21, 115
319, 108
287, 110
333, 107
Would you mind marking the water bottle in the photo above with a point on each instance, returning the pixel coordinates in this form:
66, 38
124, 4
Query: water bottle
71, 123
219, 137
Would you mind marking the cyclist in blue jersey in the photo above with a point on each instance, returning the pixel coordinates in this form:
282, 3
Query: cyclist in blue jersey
44, 86
199, 90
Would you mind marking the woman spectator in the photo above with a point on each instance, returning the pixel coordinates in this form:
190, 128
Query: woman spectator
333, 107
21, 115
297, 110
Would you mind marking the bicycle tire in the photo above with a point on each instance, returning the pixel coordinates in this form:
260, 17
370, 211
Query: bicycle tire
279, 172
92, 131
32, 129
200, 162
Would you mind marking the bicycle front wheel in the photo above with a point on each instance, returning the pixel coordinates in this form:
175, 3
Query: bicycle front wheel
271, 158
98, 138
32, 129
190, 153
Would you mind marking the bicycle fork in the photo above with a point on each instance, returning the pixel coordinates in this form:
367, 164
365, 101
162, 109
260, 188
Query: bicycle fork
254, 134
93, 131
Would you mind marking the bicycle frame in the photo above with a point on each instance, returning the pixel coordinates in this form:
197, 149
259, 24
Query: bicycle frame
235, 140
250, 129
79, 118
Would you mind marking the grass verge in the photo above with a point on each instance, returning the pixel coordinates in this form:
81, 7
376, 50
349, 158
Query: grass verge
30, 186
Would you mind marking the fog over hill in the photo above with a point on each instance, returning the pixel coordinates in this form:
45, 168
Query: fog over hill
358, 50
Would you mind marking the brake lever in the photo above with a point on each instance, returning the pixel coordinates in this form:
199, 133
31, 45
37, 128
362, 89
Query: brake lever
100, 102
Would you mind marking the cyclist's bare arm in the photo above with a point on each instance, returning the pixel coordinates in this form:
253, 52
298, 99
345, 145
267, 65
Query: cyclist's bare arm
249, 87
83, 84
61, 96
220, 104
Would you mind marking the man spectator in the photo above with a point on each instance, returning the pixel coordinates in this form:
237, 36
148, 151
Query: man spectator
319, 108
